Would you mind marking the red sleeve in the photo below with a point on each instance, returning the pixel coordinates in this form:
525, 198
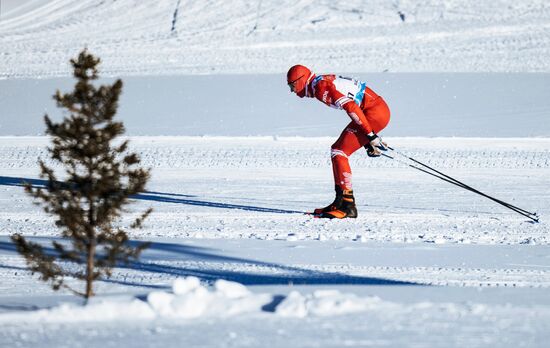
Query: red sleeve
353, 110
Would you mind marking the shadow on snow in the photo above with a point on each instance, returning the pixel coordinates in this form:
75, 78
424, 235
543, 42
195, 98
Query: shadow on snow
159, 197
261, 273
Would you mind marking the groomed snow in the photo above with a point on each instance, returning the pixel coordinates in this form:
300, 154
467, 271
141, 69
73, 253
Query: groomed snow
237, 161
204, 37
260, 188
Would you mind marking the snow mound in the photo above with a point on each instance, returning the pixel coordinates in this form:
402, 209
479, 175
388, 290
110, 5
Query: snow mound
111, 309
190, 299
325, 303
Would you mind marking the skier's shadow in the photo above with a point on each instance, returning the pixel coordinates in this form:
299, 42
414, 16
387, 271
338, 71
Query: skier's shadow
172, 198
160, 197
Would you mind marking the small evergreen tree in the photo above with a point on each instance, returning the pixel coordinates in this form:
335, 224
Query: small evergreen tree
100, 178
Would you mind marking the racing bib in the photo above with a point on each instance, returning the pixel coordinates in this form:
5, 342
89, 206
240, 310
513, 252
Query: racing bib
351, 88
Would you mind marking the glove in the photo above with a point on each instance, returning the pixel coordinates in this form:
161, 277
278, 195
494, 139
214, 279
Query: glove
375, 145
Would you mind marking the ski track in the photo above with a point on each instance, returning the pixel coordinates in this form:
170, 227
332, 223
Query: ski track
233, 37
257, 188
17, 279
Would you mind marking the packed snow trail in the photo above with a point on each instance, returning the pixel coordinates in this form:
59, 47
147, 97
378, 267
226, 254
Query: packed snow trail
259, 188
320, 263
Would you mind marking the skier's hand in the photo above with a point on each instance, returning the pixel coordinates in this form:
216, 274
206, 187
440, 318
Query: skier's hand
375, 146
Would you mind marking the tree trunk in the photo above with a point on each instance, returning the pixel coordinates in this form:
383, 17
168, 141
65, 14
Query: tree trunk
90, 270
91, 248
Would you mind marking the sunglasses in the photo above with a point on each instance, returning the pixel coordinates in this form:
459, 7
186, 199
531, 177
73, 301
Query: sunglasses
292, 84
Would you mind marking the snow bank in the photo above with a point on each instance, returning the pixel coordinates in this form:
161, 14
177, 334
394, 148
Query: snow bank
325, 303
192, 300
100, 309
189, 299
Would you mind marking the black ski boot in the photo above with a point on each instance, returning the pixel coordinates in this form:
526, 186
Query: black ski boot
342, 207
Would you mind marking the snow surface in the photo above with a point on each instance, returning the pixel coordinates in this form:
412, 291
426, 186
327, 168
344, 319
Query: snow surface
425, 261
429, 105
237, 161
330, 308
259, 187
212, 36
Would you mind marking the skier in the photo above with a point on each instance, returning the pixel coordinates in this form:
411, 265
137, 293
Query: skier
369, 114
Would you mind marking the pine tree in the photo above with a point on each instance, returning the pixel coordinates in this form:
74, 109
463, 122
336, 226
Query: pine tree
100, 178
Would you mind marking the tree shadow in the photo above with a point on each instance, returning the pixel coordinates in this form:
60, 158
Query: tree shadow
13, 181
18, 307
289, 274
205, 265
162, 197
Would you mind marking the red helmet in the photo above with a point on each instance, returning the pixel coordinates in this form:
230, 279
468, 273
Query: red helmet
297, 78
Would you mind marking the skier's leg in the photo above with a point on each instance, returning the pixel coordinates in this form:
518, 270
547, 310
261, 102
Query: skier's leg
352, 139
344, 203
378, 115
349, 141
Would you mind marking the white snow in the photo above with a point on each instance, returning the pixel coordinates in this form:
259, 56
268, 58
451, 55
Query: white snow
324, 303
203, 317
121, 308
188, 300
426, 105
136, 38
228, 299
191, 300
237, 160
259, 188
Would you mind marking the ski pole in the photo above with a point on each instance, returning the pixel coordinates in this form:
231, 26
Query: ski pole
455, 181
451, 180
466, 188
461, 184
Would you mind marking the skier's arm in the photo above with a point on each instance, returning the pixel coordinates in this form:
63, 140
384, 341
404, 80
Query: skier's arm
375, 144
353, 110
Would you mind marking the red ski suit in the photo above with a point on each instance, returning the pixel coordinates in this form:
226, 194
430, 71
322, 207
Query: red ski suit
367, 110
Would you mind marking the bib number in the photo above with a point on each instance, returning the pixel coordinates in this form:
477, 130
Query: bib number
352, 88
